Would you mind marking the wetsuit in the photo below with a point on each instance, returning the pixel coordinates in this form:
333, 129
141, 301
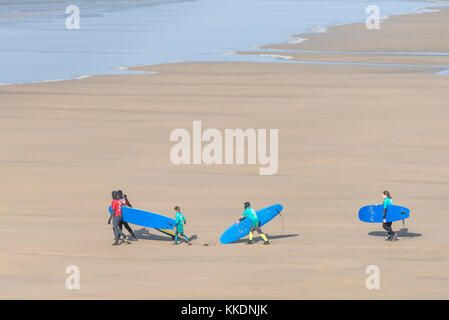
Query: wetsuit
387, 225
125, 203
180, 219
255, 223
117, 219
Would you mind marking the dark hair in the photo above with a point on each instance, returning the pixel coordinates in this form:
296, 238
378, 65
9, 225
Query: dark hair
177, 208
119, 193
387, 193
114, 194
247, 204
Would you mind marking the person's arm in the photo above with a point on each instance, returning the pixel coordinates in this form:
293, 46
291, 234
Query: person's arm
112, 213
385, 213
110, 218
245, 214
184, 219
127, 202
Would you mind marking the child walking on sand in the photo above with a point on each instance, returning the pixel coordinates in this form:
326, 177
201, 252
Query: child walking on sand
180, 221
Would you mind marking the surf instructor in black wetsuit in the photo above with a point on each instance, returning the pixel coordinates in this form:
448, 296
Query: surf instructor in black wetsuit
125, 203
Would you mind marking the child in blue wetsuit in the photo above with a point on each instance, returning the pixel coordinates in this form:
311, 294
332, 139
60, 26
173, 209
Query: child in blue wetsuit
180, 221
255, 223
387, 225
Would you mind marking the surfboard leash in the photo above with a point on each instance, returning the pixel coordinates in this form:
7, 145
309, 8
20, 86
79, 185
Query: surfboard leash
282, 218
403, 221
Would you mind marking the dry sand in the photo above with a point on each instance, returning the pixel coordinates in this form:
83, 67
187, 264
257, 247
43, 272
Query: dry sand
346, 134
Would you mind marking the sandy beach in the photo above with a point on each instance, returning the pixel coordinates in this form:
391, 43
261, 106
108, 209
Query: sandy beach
346, 133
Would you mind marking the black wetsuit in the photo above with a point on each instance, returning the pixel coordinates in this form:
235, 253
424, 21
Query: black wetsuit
116, 225
126, 203
387, 225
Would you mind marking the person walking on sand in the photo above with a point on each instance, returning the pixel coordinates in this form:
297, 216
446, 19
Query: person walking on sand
116, 217
180, 221
255, 223
125, 203
387, 225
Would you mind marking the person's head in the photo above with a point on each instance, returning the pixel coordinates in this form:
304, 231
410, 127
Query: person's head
177, 209
247, 204
386, 194
114, 195
119, 193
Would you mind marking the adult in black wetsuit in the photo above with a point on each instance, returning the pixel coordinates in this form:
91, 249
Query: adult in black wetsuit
125, 203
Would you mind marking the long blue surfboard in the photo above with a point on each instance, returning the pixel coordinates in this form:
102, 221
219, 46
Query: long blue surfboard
375, 213
146, 218
241, 229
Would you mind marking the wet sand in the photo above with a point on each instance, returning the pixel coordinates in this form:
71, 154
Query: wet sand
346, 133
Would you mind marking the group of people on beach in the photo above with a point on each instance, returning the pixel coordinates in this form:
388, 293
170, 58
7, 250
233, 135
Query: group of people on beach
120, 200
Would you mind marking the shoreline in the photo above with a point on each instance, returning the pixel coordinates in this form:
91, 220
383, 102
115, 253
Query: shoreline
310, 48
276, 50
325, 28
305, 37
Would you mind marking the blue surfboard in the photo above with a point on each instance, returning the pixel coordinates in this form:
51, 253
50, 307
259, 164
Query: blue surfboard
375, 213
146, 218
241, 229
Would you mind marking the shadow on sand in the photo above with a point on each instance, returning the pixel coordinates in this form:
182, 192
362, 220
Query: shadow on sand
270, 237
144, 234
403, 233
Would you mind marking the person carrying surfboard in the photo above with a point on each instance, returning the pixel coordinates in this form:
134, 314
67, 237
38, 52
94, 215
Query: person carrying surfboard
125, 203
180, 221
387, 225
116, 217
255, 223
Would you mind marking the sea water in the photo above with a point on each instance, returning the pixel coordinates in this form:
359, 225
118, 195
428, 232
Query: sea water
35, 44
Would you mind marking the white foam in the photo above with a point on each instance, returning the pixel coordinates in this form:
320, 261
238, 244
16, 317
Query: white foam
276, 56
130, 71
83, 77
426, 10
318, 29
44, 81
296, 40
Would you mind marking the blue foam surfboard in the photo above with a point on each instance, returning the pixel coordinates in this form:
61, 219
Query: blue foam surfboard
241, 229
375, 213
146, 218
